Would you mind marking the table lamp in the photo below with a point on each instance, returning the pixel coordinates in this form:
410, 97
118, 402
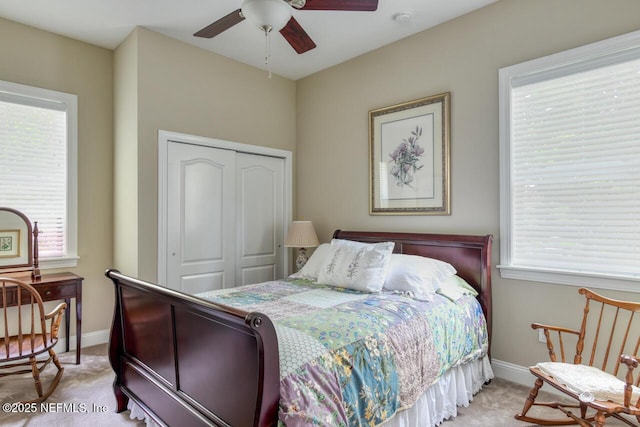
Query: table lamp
301, 235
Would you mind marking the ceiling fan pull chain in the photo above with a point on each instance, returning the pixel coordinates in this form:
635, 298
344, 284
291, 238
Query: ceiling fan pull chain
267, 48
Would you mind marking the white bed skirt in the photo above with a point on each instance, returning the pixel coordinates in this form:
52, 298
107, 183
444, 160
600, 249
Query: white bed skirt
440, 401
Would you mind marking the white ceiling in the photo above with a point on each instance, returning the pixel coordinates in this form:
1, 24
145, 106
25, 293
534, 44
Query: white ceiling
339, 35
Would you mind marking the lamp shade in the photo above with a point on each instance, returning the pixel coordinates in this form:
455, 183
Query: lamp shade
301, 235
271, 14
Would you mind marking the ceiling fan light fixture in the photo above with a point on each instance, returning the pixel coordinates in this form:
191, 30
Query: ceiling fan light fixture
267, 14
402, 17
298, 4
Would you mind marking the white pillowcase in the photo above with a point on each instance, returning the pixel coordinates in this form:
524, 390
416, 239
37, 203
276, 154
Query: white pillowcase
355, 265
420, 275
311, 269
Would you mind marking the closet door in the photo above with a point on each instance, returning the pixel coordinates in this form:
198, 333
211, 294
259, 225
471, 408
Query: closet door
259, 219
200, 218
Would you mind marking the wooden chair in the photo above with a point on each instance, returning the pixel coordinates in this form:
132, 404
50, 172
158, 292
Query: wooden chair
601, 385
25, 335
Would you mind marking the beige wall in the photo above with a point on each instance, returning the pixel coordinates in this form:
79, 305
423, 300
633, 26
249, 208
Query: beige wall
185, 89
462, 57
125, 180
164, 84
37, 58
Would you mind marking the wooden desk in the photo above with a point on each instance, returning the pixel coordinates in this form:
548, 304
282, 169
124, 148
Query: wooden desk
61, 286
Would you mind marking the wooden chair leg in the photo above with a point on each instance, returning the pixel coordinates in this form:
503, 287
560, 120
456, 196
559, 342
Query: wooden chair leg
54, 356
35, 372
57, 378
533, 394
530, 401
42, 396
600, 419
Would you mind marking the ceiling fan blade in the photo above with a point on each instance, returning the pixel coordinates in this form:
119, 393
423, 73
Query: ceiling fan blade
221, 25
356, 5
297, 36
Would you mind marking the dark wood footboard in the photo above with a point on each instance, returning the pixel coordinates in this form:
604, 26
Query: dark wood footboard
188, 362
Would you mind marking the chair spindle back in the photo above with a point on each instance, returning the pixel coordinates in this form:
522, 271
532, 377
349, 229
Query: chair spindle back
613, 331
23, 316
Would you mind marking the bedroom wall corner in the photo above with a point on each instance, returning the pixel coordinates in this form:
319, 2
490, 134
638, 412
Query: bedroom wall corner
125, 172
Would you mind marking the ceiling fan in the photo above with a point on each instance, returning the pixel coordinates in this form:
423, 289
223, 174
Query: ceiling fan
271, 15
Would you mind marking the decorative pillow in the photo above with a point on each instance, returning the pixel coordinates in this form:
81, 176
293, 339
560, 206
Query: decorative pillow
454, 287
354, 265
420, 275
311, 269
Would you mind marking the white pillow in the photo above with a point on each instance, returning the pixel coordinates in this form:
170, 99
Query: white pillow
354, 265
350, 242
454, 287
417, 274
311, 269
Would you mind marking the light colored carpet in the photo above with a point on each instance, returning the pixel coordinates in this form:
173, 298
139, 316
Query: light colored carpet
87, 389
84, 396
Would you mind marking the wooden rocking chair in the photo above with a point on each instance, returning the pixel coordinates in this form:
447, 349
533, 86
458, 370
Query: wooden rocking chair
25, 335
601, 385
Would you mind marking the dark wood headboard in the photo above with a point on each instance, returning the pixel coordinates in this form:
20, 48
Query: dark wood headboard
470, 255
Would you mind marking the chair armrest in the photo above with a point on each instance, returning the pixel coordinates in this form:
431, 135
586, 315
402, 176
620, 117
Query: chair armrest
56, 316
547, 334
631, 363
554, 328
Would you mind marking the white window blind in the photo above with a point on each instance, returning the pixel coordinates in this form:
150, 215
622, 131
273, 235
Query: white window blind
574, 168
34, 163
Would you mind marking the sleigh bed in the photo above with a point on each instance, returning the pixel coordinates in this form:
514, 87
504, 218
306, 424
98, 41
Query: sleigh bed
260, 355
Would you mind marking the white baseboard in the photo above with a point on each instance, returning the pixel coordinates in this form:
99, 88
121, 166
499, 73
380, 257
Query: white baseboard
512, 372
88, 340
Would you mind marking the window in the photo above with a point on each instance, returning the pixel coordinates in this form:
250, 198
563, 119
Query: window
570, 166
38, 146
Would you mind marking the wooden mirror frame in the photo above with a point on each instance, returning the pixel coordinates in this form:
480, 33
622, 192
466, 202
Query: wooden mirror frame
31, 235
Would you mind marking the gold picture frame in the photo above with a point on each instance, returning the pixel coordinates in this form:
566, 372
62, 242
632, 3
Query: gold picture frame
9, 243
409, 156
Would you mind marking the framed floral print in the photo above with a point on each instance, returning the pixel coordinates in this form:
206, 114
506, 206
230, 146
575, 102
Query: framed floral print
409, 158
9, 243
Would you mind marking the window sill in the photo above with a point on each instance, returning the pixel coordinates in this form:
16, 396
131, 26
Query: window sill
591, 280
62, 262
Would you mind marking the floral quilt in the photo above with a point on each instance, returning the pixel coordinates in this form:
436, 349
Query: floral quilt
349, 358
